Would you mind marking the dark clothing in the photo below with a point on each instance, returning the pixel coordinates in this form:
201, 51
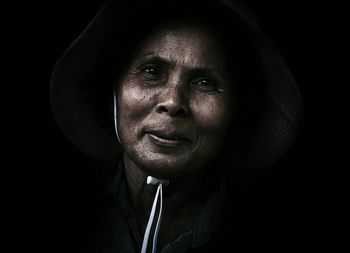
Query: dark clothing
118, 229
244, 216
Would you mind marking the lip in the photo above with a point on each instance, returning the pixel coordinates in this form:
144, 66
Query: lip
167, 139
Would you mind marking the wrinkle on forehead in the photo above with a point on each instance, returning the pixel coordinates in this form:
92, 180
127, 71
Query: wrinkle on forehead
192, 46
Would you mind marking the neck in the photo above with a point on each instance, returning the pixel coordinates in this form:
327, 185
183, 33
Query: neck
184, 197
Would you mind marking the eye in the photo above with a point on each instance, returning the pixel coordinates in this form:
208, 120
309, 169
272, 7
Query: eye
204, 84
151, 72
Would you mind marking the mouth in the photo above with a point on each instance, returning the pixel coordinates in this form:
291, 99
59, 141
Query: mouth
167, 139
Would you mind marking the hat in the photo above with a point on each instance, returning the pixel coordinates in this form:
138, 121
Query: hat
83, 73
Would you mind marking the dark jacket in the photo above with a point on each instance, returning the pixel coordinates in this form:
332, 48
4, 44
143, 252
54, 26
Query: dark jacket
248, 213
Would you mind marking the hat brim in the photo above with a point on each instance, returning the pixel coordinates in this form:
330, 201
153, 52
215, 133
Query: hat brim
72, 111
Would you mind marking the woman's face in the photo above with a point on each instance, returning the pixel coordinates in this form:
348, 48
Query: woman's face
175, 101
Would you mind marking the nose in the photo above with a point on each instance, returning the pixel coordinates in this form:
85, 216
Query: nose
173, 102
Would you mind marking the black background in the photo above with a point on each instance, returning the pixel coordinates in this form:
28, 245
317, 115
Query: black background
55, 185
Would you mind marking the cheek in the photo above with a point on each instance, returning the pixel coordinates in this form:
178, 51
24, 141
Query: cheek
212, 119
134, 104
212, 114
132, 101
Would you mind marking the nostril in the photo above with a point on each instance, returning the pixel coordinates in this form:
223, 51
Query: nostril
172, 110
181, 111
161, 109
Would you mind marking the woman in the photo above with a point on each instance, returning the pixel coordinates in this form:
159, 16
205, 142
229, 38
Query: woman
179, 96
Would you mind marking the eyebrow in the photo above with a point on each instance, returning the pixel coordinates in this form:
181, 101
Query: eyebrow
194, 70
155, 58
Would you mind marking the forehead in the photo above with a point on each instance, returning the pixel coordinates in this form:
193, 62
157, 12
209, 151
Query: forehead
186, 43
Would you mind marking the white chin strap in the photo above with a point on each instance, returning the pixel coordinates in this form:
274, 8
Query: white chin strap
115, 110
159, 193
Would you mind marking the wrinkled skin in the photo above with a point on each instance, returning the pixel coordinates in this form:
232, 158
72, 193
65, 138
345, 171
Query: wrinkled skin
174, 102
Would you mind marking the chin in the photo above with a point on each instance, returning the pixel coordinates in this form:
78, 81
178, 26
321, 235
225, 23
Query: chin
167, 168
